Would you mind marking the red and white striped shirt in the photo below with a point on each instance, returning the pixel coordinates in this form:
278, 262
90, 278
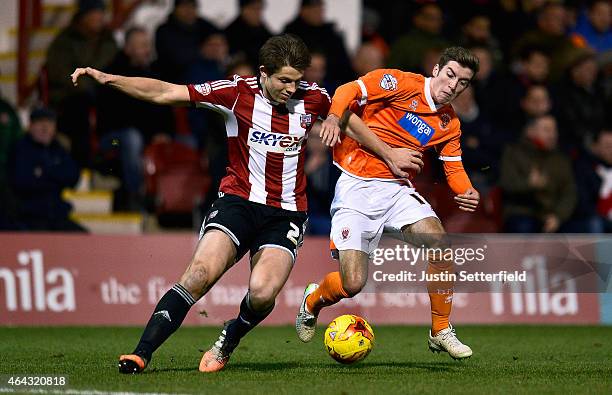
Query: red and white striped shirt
266, 141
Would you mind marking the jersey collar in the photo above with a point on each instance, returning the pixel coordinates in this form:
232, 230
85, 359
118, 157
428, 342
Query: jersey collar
432, 105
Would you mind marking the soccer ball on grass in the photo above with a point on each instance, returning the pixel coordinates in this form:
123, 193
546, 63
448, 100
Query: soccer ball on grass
349, 339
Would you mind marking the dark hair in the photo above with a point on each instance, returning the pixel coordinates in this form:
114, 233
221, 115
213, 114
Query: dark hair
131, 31
532, 121
460, 55
528, 50
284, 50
42, 113
592, 3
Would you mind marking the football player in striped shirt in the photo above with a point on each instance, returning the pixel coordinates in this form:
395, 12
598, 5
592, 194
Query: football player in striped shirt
262, 205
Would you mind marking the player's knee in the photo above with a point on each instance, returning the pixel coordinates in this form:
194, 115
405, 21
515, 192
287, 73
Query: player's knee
196, 279
353, 284
261, 297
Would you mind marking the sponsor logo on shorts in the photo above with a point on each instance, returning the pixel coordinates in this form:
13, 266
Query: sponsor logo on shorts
345, 233
417, 127
204, 89
212, 214
274, 142
388, 82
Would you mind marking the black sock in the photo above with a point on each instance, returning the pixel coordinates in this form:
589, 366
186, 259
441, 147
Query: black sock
247, 319
167, 317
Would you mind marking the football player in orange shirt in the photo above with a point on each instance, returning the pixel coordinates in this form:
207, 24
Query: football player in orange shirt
404, 110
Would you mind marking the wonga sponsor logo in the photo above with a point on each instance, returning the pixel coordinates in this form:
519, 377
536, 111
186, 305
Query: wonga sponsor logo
417, 127
274, 142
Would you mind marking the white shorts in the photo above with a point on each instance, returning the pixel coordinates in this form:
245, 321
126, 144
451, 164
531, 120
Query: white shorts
363, 209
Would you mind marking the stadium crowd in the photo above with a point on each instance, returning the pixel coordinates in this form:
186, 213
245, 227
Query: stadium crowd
536, 122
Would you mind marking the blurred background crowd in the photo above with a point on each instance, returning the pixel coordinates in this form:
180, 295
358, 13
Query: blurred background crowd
536, 122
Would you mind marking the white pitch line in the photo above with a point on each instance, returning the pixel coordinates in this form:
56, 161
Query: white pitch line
76, 392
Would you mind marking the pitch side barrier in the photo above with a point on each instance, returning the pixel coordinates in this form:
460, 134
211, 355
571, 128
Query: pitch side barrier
59, 279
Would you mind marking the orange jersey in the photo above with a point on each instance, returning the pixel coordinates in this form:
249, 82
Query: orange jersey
398, 107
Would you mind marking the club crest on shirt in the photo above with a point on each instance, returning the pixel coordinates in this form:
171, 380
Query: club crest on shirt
305, 120
444, 120
388, 82
204, 89
414, 105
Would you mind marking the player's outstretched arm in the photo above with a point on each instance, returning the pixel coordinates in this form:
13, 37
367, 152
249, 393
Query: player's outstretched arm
398, 159
147, 89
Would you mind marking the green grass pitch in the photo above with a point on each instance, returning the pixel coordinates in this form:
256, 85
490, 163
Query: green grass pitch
507, 359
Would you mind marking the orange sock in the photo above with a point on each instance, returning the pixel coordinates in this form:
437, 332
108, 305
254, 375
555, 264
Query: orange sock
440, 296
330, 292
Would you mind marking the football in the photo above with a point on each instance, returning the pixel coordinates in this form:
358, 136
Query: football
349, 339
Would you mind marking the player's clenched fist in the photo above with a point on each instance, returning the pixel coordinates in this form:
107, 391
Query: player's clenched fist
97, 75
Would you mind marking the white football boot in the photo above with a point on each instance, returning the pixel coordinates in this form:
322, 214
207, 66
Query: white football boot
305, 322
446, 340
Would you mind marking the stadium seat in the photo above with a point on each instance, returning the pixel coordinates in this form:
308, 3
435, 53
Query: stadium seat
176, 177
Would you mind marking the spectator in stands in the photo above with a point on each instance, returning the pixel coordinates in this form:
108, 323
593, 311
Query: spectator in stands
320, 36
602, 149
537, 181
317, 71
39, 169
126, 125
486, 83
476, 32
178, 40
581, 102
512, 18
550, 35
10, 131
594, 27
321, 175
407, 52
209, 66
430, 59
371, 30
532, 67
86, 41
368, 57
240, 66
593, 171
481, 143
211, 61
535, 102
247, 33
